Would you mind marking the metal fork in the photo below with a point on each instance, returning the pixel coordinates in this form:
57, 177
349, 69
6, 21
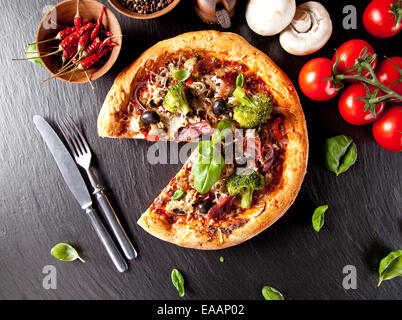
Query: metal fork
82, 155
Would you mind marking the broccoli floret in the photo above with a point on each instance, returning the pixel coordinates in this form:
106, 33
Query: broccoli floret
245, 182
251, 112
175, 100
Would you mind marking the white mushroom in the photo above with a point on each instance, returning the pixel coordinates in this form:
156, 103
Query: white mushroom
309, 31
269, 17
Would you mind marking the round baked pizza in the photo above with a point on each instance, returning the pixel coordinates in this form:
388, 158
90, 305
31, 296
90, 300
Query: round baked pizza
250, 161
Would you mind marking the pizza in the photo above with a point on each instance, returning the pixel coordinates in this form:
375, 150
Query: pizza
251, 157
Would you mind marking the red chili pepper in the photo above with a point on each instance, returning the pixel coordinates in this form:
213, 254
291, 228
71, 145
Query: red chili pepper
92, 47
189, 81
91, 60
77, 18
83, 41
74, 37
65, 33
95, 31
106, 33
107, 43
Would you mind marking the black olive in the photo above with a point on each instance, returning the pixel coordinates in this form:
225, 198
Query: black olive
205, 206
150, 117
152, 104
219, 106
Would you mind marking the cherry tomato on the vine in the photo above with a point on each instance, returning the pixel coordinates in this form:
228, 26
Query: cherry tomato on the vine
387, 74
379, 20
352, 109
347, 54
311, 79
387, 130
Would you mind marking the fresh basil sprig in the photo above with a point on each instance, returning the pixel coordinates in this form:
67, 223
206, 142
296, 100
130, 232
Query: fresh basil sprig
318, 217
208, 165
390, 266
31, 53
65, 252
178, 281
270, 293
181, 75
340, 154
178, 194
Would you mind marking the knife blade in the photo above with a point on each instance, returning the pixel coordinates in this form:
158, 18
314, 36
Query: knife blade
77, 186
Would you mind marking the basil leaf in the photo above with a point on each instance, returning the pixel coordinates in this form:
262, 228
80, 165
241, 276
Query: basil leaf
178, 194
181, 75
207, 167
178, 281
340, 154
318, 217
65, 252
239, 80
270, 293
221, 132
31, 52
390, 266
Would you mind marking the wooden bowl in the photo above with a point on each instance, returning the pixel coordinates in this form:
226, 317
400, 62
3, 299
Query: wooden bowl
127, 12
64, 13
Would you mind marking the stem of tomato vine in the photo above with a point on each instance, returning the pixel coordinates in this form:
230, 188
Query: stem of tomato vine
372, 81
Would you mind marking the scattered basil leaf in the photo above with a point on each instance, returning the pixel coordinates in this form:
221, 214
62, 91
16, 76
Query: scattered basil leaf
178, 281
270, 293
390, 266
207, 166
239, 80
181, 75
65, 252
318, 217
178, 194
31, 52
221, 259
340, 154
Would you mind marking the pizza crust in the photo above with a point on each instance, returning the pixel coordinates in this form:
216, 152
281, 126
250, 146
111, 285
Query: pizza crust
226, 46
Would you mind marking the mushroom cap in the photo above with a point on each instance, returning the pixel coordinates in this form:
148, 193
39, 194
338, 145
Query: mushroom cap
300, 40
269, 17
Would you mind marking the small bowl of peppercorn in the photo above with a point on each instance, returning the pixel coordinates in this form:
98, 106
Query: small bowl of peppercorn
144, 9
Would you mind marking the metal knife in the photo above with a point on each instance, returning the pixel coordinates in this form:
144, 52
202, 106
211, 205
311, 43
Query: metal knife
77, 186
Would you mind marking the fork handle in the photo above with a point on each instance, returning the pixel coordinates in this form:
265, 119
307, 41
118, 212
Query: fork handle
115, 224
107, 242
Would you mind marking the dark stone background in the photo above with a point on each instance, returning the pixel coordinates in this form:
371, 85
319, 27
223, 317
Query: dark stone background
363, 222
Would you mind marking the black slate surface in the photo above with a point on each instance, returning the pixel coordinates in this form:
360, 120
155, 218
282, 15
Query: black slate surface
363, 222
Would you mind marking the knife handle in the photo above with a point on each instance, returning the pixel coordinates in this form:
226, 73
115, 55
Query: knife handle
115, 225
107, 242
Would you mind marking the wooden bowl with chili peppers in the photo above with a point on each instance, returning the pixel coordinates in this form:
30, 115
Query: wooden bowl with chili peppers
96, 52
144, 9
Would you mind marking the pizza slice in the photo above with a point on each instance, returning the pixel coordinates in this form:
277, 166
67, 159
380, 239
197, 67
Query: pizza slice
218, 85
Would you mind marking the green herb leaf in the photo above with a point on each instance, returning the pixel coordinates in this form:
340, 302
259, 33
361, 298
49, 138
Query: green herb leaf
207, 166
178, 194
221, 259
270, 293
65, 252
390, 266
31, 53
239, 80
178, 281
340, 154
318, 217
181, 75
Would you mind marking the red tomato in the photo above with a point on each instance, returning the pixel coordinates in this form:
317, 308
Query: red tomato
311, 79
387, 73
387, 130
352, 109
348, 52
379, 21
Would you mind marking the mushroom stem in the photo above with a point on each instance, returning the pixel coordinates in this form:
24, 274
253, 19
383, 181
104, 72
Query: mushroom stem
302, 20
